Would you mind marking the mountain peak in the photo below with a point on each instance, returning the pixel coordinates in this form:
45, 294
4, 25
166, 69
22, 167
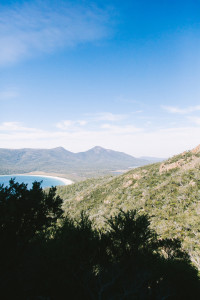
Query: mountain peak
97, 149
60, 160
59, 148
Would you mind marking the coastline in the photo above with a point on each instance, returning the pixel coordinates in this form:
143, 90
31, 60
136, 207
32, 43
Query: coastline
64, 180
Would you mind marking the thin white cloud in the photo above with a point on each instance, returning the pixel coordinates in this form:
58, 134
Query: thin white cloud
123, 99
137, 112
82, 122
15, 126
8, 94
121, 129
106, 116
64, 124
177, 110
134, 141
36, 27
70, 125
195, 120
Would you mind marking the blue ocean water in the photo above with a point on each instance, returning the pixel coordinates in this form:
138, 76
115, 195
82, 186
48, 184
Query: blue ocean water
28, 179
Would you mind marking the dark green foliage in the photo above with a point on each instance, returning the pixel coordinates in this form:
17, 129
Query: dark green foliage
143, 266
42, 258
130, 234
25, 216
25, 212
125, 262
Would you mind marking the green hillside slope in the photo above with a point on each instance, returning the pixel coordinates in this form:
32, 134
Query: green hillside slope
169, 192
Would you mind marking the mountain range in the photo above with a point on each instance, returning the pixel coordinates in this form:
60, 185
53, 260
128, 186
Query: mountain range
59, 160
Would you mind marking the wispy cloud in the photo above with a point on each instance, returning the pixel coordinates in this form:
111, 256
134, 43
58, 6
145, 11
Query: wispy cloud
70, 125
15, 126
177, 110
195, 120
35, 27
121, 129
8, 94
136, 112
95, 121
124, 99
127, 138
106, 116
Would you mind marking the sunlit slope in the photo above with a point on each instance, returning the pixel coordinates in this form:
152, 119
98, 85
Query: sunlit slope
169, 192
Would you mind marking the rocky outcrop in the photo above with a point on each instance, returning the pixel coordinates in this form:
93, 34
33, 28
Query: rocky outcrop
196, 150
167, 167
183, 163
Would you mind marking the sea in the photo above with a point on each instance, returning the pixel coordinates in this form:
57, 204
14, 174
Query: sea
29, 179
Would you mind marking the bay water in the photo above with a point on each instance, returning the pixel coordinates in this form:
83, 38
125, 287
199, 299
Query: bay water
29, 179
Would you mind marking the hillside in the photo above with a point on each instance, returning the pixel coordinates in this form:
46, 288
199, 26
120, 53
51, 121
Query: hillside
169, 192
96, 161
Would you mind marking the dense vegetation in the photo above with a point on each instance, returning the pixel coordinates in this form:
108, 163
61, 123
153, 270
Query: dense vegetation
168, 192
45, 255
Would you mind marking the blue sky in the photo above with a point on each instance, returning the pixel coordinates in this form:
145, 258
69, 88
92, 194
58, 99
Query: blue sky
120, 74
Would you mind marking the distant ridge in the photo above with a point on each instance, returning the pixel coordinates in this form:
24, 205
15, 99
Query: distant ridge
153, 159
60, 160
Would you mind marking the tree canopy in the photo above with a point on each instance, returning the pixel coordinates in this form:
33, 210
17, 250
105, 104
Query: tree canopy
45, 255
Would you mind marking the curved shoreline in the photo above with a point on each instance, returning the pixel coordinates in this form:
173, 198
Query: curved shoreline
64, 180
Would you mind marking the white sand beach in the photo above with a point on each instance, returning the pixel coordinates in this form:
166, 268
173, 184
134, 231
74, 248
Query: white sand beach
64, 180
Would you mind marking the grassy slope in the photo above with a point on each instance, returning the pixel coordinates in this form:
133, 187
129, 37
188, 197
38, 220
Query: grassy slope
168, 192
